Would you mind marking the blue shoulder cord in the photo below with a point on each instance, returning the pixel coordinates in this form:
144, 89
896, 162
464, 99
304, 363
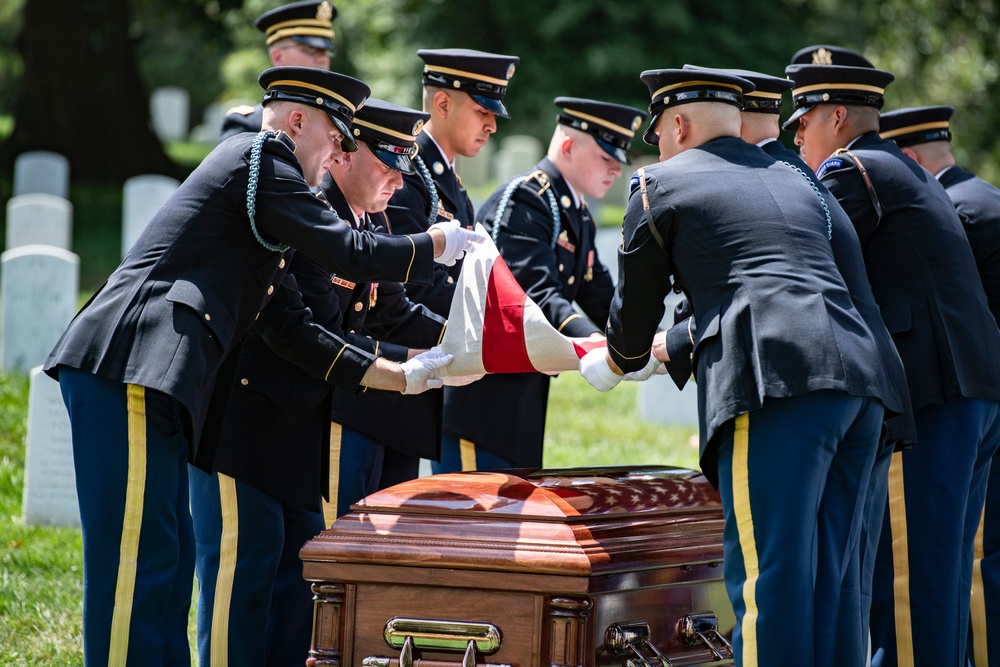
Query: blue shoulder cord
505, 199
252, 189
431, 189
826, 209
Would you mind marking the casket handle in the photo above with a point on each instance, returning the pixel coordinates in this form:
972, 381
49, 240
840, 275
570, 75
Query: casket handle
409, 634
631, 639
442, 635
703, 628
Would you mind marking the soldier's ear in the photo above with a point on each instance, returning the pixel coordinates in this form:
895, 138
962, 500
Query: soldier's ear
296, 119
442, 103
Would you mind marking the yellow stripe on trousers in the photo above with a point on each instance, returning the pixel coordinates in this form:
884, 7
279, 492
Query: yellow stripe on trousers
748, 544
227, 570
900, 563
333, 482
128, 554
467, 450
978, 607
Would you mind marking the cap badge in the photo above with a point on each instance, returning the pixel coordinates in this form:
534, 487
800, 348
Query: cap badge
419, 125
822, 57
324, 12
636, 123
510, 70
438, 168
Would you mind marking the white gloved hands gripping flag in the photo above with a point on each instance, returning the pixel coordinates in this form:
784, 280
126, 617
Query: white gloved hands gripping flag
494, 327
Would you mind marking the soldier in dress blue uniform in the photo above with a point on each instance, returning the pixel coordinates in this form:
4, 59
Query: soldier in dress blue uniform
760, 126
464, 92
296, 35
544, 231
924, 278
271, 465
924, 135
792, 383
140, 364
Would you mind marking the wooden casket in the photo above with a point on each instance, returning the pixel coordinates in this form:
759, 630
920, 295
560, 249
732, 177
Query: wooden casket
574, 567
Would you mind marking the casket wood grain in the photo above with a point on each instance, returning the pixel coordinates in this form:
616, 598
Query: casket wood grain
549, 559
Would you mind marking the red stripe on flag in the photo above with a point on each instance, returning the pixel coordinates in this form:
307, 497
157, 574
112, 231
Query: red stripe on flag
582, 347
504, 350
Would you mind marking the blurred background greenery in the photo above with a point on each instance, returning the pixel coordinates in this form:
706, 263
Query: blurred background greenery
942, 52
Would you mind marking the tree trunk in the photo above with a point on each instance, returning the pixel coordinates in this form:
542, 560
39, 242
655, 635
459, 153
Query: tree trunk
80, 93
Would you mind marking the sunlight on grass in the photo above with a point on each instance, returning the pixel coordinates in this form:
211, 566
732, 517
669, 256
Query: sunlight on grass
585, 427
41, 567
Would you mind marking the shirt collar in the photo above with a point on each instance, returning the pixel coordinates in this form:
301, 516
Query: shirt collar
451, 165
938, 175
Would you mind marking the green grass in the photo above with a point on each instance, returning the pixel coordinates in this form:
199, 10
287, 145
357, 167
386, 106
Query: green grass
41, 586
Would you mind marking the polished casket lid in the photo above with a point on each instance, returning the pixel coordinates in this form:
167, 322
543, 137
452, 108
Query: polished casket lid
578, 521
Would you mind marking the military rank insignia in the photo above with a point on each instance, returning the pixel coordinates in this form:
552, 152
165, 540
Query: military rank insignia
563, 241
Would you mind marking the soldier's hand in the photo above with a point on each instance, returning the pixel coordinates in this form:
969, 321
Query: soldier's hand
423, 371
457, 241
596, 370
652, 367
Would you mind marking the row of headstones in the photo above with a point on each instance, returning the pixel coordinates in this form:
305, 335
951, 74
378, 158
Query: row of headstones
39, 287
39, 275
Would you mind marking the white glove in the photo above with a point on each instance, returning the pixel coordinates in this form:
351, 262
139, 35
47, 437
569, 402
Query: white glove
423, 371
457, 241
595, 370
653, 367
461, 380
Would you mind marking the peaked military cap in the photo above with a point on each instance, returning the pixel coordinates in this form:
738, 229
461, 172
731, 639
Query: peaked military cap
767, 92
306, 22
612, 125
916, 125
390, 131
827, 54
482, 75
671, 87
835, 84
338, 95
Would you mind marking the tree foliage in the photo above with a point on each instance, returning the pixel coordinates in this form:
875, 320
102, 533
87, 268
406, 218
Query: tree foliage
942, 51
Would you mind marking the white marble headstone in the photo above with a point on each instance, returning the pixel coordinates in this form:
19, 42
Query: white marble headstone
142, 198
38, 292
49, 480
39, 219
659, 399
41, 171
168, 108
518, 153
